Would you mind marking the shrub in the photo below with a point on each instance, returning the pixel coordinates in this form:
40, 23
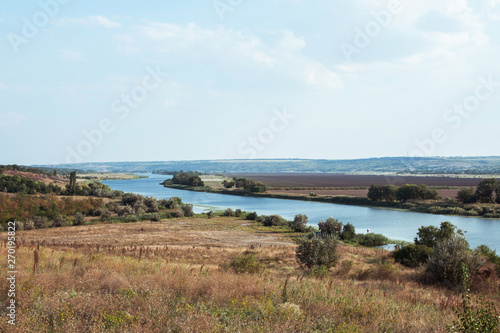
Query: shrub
210, 214
238, 212
105, 215
60, 221
482, 318
430, 235
412, 255
315, 251
187, 210
348, 232
372, 239
491, 256
252, 216
246, 263
79, 219
299, 223
444, 265
330, 227
155, 217
274, 221
228, 212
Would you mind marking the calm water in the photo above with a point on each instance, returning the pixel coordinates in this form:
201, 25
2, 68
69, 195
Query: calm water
393, 224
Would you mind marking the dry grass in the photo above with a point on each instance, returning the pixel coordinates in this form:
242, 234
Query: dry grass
175, 279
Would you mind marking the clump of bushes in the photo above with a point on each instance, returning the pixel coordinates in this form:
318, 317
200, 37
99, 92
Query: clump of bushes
317, 253
246, 263
412, 255
274, 221
299, 223
252, 216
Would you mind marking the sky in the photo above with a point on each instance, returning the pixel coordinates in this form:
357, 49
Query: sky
102, 81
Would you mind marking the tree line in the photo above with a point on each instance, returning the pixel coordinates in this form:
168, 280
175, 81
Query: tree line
402, 193
487, 191
246, 184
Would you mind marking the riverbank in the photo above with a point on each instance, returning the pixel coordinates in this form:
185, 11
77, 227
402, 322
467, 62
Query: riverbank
444, 207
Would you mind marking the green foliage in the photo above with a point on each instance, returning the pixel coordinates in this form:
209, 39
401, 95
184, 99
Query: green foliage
416, 192
490, 255
252, 216
330, 227
371, 239
444, 265
250, 185
18, 184
430, 235
299, 223
412, 255
382, 192
238, 212
348, 232
246, 263
274, 221
466, 195
481, 318
228, 212
188, 178
187, 210
314, 251
486, 188
79, 219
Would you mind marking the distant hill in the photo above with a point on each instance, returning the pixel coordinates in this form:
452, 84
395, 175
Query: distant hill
413, 165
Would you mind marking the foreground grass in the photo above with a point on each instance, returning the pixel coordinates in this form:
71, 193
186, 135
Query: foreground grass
88, 287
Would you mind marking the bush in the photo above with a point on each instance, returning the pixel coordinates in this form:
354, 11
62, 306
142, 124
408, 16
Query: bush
187, 210
155, 217
412, 255
490, 255
448, 256
238, 212
430, 235
210, 214
299, 223
105, 215
79, 219
228, 212
60, 221
246, 263
372, 239
330, 227
274, 221
348, 232
316, 251
482, 318
252, 216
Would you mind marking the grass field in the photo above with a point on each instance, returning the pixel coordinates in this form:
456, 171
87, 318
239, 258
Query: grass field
176, 276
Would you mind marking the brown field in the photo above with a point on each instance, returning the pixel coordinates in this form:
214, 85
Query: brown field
342, 180
450, 193
176, 276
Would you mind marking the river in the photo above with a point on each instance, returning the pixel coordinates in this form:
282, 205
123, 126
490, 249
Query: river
400, 225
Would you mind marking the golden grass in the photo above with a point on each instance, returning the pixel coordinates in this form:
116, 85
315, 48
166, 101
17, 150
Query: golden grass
95, 281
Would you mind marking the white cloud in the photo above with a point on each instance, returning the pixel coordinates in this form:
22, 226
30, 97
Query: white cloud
10, 119
95, 20
72, 56
282, 55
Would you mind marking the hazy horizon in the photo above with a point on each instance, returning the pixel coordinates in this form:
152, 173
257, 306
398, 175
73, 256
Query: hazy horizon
281, 79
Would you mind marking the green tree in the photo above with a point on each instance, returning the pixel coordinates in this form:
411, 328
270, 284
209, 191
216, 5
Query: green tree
486, 188
430, 235
330, 227
315, 251
72, 183
299, 223
466, 195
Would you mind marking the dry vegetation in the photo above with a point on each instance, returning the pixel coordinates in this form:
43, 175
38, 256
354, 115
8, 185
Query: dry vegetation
175, 276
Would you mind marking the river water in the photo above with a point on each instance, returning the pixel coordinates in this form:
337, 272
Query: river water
400, 225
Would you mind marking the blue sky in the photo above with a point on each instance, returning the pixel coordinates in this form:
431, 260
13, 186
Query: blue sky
170, 80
